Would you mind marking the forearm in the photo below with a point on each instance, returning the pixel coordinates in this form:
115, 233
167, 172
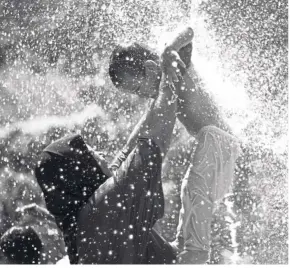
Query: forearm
161, 121
132, 140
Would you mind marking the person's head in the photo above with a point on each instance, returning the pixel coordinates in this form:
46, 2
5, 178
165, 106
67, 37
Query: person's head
135, 69
21, 245
68, 174
17, 190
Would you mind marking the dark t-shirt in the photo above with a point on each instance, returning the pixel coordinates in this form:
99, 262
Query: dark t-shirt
115, 224
105, 220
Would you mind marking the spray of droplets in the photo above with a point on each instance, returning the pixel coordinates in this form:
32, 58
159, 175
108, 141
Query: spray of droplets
53, 81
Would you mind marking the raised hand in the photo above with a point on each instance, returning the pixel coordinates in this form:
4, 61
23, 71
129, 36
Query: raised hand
170, 59
169, 63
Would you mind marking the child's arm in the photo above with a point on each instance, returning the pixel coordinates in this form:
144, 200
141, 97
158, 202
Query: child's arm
181, 46
196, 108
143, 127
157, 124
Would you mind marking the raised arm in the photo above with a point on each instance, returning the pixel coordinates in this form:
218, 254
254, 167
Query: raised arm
158, 122
196, 108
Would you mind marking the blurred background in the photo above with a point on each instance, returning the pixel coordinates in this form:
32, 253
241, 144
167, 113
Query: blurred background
53, 81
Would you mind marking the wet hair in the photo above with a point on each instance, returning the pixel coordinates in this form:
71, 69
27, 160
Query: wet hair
21, 245
68, 175
130, 59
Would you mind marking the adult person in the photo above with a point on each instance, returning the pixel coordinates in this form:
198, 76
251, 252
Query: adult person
108, 217
136, 69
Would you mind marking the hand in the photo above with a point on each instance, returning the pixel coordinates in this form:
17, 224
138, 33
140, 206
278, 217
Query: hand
181, 44
169, 63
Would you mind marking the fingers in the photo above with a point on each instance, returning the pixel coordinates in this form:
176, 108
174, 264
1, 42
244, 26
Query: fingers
181, 63
172, 75
177, 58
171, 62
171, 57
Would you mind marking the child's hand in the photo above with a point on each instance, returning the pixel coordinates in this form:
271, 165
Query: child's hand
169, 63
170, 59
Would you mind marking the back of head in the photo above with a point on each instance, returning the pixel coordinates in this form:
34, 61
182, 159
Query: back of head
68, 175
21, 245
129, 59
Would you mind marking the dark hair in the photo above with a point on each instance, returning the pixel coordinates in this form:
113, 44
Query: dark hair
130, 59
21, 245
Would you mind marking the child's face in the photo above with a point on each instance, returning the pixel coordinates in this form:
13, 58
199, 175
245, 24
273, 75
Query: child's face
145, 86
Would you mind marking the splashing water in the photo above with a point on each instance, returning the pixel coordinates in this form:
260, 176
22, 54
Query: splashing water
54, 80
